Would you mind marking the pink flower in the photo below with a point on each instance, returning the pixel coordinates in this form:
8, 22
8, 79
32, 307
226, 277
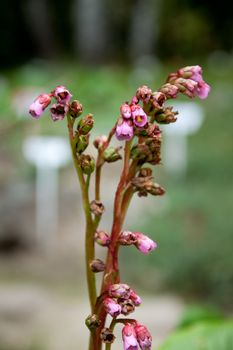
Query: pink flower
202, 90
124, 130
143, 337
139, 116
135, 298
112, 307
125, 110
61, 94
39, 105
102, 238
195, 73
58, 111
144, 243
129, 337
119, 290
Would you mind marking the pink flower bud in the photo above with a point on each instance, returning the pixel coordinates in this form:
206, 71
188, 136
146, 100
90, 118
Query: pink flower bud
191, 72
124, 130
143, 337
119, 290
58, 111
144, 243
39, 105
129, 337
139, 116
203, 90
135, 298
62, 94
112, 307
125, 111
102, 238
100, 141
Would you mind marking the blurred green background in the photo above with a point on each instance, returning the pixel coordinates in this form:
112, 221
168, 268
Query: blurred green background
102, 52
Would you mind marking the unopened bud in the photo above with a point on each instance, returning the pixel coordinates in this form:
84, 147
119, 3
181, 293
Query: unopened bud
97, 207
144, 93
87, 164
85, 124
83, 142
156, 190
97, 265
102, 238
100, 141
76, 109
111, 155
170, 90
92, 322
127, 238
107, 336
167, 116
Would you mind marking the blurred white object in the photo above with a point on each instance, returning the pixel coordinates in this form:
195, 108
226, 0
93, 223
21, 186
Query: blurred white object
190, 119
48, 154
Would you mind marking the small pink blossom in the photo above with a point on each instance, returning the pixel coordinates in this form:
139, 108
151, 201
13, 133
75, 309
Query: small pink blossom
61, 94
129, 337
139, 116
203, 90
144, 243
119, 290
39, 105
124, 130
125, 111
58, 111
112, 307
135, 298
143, 337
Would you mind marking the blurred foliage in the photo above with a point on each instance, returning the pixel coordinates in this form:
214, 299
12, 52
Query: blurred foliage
202, 336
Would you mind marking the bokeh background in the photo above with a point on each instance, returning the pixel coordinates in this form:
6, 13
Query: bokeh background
102, 51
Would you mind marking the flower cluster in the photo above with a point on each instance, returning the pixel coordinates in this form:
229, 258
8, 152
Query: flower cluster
134, 335
135, 120
121, 299
58, 110
132, 116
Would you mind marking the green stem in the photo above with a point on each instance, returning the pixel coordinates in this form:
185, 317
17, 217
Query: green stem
89, 232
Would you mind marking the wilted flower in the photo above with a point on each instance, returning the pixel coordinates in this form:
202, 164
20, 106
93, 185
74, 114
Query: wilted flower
112, 307
38, 106
119, 290
96, 207
127, 306
58, 111
144, 243
75, 109
107, 336
92, 321
127, 238
143, 337
144, 93
124, 130
62, 94
129, 337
